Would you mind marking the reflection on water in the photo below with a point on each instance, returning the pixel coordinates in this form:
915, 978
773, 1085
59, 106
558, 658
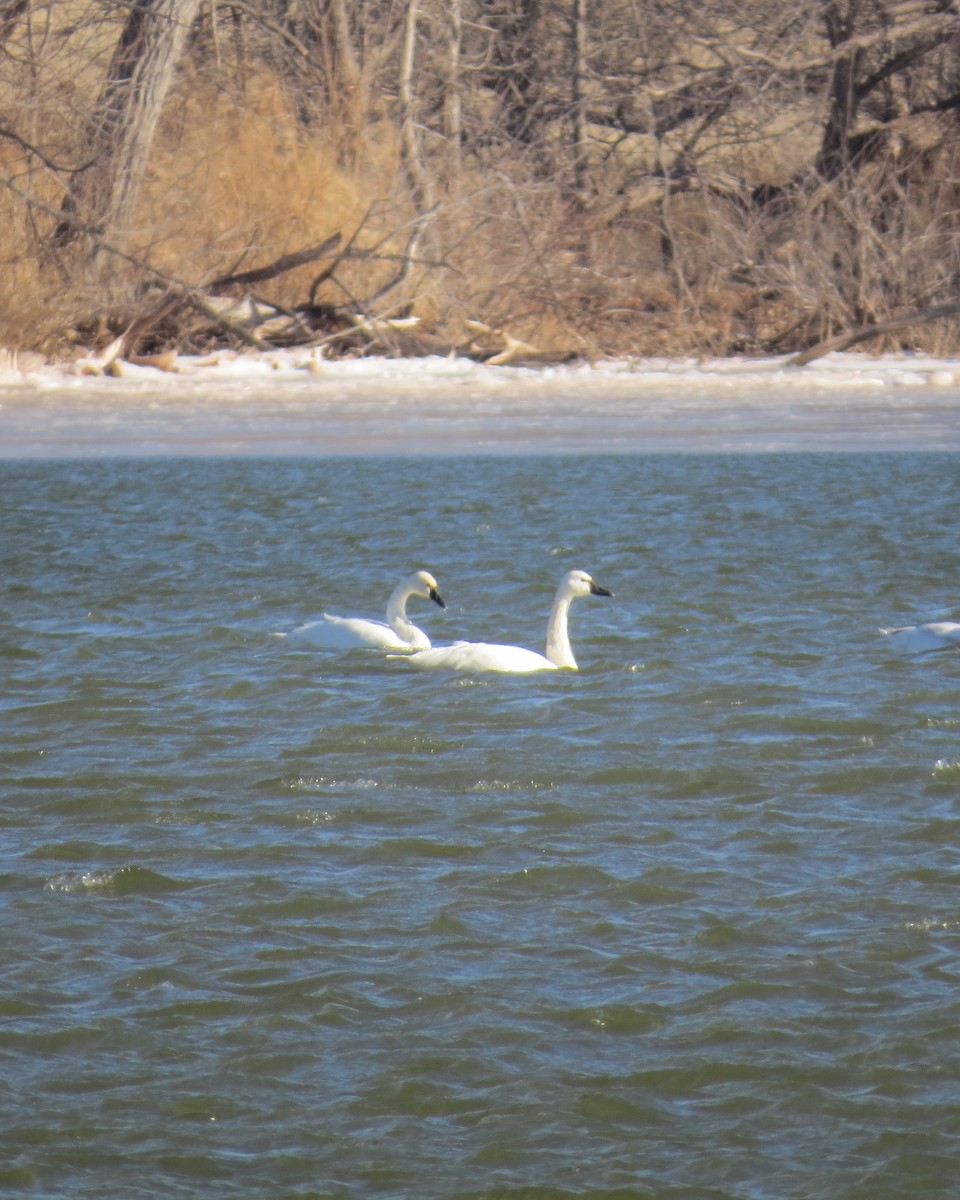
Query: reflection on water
280, 923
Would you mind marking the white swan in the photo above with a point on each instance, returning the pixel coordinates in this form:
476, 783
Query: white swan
915, 639
484, 656
398, 633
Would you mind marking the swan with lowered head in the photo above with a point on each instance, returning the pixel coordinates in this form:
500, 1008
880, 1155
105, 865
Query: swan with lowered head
486, 656
915, 639
398, 633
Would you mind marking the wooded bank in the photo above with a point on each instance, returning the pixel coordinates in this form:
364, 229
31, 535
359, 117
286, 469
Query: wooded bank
509, 179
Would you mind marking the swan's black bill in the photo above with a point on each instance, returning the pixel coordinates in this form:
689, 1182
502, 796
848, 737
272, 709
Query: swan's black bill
436, 597
597, 590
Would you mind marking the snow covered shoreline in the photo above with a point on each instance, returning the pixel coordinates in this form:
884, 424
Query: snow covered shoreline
296, 402
894, 370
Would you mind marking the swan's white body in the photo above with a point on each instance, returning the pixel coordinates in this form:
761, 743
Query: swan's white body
488, 656
916, 639
397, 634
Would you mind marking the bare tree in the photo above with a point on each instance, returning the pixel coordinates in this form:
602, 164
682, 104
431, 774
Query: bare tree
722, 173
10, 13
420, 180
578, 101
453, 107
515, 71
121, 129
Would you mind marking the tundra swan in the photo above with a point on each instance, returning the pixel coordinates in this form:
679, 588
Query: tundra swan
398, 633
915, 639
484, 656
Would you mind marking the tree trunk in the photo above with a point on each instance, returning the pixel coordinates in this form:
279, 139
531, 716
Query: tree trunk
834, 157
453, 107
409, 129
349, 64
578, 100
121, 130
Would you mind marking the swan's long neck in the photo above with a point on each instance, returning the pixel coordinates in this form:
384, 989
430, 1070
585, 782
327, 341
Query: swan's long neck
558, 639
397, 617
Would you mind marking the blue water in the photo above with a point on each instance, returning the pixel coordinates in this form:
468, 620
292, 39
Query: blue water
283, 924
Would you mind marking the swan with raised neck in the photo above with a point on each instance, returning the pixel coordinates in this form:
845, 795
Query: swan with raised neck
397, 634
490, 656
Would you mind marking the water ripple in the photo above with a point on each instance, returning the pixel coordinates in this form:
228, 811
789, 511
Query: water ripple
684, 924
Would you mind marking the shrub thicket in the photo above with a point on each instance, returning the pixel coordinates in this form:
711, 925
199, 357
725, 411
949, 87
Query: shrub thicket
619, 178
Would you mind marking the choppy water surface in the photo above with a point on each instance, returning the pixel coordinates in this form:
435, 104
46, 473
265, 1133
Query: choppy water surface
277, 924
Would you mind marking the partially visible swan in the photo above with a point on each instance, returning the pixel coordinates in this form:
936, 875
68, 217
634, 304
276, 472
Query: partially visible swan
915, 639
398, 633
485, 656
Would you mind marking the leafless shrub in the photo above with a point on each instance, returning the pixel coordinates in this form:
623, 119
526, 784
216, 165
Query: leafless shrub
669, 178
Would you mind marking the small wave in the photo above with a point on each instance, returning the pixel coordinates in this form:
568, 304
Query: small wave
549, 881
402, 849
642, 892
122, 881
314, 784
614, 1018
939, 831
311, 816
512, 785
238, 689
619, 1111
323, 783
931, 925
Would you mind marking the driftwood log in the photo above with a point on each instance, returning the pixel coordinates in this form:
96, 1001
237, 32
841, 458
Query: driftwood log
843, 341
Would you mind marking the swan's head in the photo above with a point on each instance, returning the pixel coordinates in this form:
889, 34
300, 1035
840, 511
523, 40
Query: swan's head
426, 586
579, 583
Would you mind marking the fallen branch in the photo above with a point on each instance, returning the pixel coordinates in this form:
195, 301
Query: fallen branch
843, 341
180, 287
287, 262
159, 320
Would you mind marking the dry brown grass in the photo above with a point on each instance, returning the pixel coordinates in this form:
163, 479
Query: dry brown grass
231, 188
236, 181
31, 301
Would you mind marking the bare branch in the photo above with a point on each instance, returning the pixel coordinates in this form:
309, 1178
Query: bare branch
844, 341
288, 262
30, 148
